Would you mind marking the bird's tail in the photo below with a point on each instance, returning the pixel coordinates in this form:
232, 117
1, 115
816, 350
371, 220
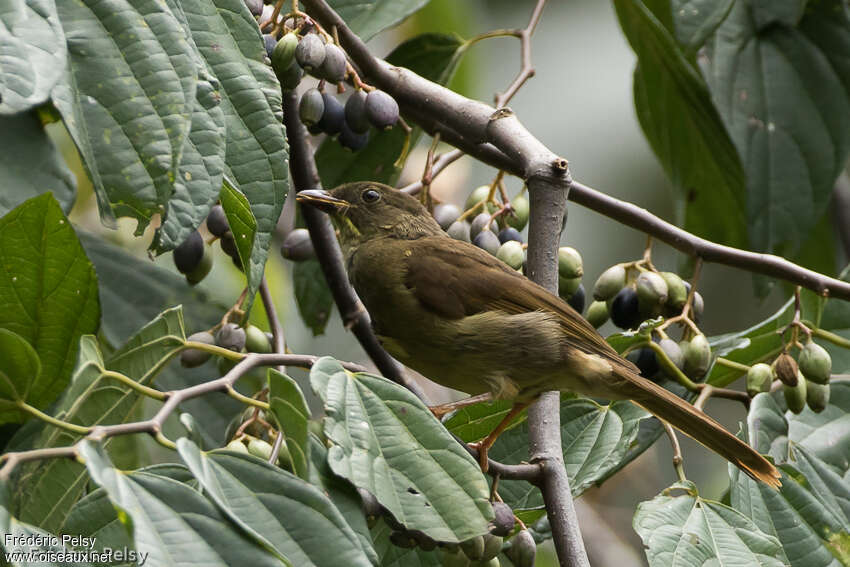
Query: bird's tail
694, 423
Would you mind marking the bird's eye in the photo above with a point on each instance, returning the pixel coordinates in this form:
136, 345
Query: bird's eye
370, 196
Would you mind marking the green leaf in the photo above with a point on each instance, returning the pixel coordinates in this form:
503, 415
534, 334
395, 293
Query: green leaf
385, 441
696, 20
48, 290
784, 96
390, 555
435, 57
368, 17
172, 523
688, 530
312, 296
683, 127
341, 493
95, 516
475, 422
809, 514
31, 164
32, 47
292, 414
242, 223
127, 101
257, 157
594, 439
20, 368
46, 490
278, 510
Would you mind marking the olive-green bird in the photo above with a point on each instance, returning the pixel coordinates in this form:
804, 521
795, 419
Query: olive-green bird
462, 318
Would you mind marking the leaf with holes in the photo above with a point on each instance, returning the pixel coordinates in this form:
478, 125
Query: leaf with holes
385, 441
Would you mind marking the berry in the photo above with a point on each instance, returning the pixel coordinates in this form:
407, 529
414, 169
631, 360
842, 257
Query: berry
237, 446
697, 356
610, 283
189, 253
673, 351
479, 223
256, 340
625, 312
519, 216
202, 269
568, 286
492, 547
569, 263
503, 521
523, 549
283, 54
480, 194
333, 67
297, 246
815, 363
652, 292
487, 240
381, 110
509, 233
351, 140
473, 548
644, 358
511, 253
310, 52
291, 77
355, 112
269, 43
677, 293
795, 396
817, 396
231, 336
217, 221
459, 230
228, 245
597, 313
192, 357
446, 214
759, 378
255, 7
577, 299
260, 448
311, 107
786, 369
333, 115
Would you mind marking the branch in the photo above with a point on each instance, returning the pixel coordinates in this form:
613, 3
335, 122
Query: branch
526, 70
153, 426
441, 163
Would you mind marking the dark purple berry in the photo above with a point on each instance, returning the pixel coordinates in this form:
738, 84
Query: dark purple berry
355, 112
625, 311
217, 221
311, 107
333, 67
352, 140
509, 233
310, 52
381, 110
576, 300
189, 254
333, 115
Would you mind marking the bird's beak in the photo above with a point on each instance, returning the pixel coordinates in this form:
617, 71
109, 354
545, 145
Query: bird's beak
322, 200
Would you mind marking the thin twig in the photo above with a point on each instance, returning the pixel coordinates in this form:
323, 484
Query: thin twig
526, 70
678, 461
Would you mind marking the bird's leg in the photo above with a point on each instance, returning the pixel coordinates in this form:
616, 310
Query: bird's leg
442, 409
484, 445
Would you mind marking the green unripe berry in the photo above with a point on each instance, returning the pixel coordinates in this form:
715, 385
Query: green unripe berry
521, 209
454, 558
192, 357
815, 363
473, 548
260, 448
480, 194
290, 77
568, 286
238, 446
759, 378
202, 269
283, 54
569, 263
492, 547
597, 313
795, 396
609, 283
677, 293
511, 253
256, 340
697, 356
523, 549
459, 230
698, 306
492, 562
817, 396
311, 107
786, 369
651, 288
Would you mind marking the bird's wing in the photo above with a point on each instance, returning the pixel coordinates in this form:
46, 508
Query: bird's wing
464, 280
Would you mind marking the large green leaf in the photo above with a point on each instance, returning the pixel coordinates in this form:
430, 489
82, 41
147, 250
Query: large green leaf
291, 413
172, 524
127, 100
30, 163
784, 94
278, 510
696, 20
385, 441
32, 48
368, 17
594, 439
477, 421
312, 295
391, 555
46, 490
227, 37
809, 514
48, 290
20, 368
435, 57
688, 530
242, 223
684, 129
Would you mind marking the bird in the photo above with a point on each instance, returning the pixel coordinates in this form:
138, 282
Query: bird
462, 318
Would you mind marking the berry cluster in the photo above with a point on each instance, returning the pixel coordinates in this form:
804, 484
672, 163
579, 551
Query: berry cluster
805, 381
193, 257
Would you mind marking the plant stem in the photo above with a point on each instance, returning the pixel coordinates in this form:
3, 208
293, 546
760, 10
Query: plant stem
79, 429
141, 388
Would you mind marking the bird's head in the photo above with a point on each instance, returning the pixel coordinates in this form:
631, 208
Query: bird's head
366, 210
